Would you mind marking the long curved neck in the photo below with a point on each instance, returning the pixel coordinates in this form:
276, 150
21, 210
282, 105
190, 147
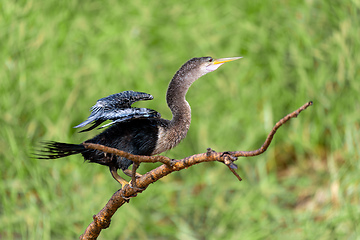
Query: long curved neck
176, 129
173, 131
176, 101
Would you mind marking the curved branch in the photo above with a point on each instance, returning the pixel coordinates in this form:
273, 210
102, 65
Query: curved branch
102, 219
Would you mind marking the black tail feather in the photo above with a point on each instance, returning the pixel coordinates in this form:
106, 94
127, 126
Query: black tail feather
54, 150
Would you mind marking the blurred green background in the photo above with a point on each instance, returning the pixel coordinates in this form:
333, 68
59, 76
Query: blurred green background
58, 57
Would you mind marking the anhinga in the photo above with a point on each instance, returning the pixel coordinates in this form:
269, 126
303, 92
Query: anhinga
139, 131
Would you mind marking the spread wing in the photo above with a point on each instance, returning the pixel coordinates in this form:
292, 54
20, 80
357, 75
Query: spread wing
117, 107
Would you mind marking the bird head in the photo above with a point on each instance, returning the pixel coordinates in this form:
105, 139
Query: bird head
208, 64
197, 67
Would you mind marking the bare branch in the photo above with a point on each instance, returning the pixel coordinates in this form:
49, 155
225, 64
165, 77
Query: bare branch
272, 133
102, 219
132, 157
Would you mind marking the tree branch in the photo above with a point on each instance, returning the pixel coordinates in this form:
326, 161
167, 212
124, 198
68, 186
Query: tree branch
102, 219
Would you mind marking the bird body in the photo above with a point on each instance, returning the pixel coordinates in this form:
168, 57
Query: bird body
139, 131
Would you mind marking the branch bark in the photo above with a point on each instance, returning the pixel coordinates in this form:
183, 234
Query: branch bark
102, 219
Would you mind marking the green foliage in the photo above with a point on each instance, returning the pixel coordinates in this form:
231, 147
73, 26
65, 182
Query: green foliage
58, 57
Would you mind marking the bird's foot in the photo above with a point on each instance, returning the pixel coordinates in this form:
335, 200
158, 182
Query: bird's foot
126, 198
136, 188
134, 175
116, 176
132, 186
123, 183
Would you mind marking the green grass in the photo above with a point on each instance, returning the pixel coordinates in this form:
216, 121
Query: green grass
58, 57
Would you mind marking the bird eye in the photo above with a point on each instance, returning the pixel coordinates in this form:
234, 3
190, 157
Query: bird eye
210, 60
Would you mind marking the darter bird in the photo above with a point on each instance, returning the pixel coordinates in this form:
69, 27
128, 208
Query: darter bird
138, 131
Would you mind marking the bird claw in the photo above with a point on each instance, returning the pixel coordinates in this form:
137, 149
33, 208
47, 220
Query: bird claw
136, 188
132, 186
127, 199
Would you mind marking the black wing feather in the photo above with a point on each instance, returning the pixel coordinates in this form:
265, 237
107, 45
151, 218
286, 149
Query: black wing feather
117, 107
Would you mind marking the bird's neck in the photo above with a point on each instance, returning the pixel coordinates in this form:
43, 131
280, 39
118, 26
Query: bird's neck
178, 105
173, 131
176, 129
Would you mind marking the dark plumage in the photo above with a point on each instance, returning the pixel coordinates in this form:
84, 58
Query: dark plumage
139, 131
117, 107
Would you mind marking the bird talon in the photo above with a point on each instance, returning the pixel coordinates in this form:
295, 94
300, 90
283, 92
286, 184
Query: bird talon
136, 188
116, 176
127, 199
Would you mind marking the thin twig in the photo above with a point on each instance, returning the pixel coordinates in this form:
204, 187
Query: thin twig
132, 157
